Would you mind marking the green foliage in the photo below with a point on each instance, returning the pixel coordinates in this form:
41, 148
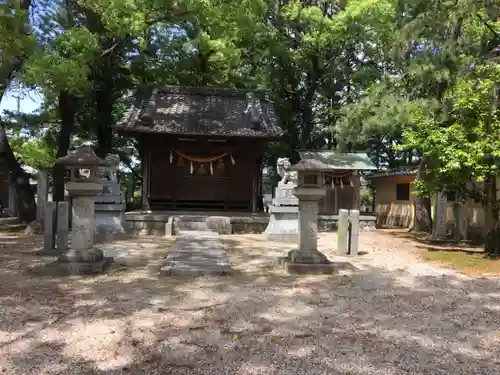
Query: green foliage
65, 65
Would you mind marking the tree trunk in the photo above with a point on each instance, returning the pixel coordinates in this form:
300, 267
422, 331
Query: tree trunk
491, 219
422, 219
66, 108
25, 197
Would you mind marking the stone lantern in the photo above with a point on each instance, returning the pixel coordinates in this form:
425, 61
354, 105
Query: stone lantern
306, 258
83, 185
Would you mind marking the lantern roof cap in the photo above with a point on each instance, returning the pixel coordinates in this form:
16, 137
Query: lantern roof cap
82, 156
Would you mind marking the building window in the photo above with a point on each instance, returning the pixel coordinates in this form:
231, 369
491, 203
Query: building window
403, 192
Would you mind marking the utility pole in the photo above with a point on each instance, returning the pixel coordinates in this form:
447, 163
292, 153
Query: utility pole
18, 99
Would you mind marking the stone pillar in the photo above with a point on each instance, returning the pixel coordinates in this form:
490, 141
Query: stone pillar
83, 223
308, 225
62, 226
354, 232
48, 226
307, 258
343, 232
42, 194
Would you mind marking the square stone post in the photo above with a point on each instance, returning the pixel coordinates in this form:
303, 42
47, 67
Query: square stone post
62, 226
42, 194
48, 226
343, 232
354, 232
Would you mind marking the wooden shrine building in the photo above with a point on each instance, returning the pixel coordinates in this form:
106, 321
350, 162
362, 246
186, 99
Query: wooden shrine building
342, 177
201, 148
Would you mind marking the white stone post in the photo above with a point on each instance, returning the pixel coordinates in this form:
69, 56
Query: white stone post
42, 194
354, 216
343, 232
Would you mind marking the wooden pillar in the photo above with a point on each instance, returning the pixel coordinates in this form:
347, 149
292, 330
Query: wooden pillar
336, 200
145, 179
356, 196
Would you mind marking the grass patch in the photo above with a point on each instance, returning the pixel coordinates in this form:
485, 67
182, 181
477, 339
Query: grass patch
465, 262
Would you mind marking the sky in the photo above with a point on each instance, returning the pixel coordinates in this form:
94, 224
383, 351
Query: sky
30, 101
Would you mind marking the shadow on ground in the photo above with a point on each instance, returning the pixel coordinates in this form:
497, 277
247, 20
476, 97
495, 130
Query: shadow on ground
260, 320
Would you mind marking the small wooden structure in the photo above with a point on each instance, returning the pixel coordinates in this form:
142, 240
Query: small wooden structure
394, 196
341, 173
201, 148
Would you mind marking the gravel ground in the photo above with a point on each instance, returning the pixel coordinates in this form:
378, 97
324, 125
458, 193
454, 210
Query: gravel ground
392, 314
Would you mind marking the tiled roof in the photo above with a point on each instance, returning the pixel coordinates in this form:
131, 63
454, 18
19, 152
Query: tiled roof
330, 160
211, 111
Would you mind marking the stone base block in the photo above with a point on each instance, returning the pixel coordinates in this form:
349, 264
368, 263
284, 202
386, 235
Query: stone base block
307, 268
283, 225
170, 268
86, 268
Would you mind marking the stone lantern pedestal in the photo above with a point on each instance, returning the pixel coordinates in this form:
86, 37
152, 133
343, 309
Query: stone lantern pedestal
83, 186
306, 259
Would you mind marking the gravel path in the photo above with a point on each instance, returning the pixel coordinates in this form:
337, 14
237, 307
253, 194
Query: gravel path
391, 315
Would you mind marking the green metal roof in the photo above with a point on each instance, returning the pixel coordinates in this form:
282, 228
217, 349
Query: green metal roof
330, 160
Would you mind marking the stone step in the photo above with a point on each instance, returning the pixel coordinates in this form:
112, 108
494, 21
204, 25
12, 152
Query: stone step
197, 253
217, 224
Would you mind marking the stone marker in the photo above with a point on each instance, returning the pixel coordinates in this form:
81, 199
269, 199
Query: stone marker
343, 232
48, 226
354, 216
42, 194
62, 226
83, 257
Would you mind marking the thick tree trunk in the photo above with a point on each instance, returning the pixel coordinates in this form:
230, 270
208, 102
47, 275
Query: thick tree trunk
422, 219
66, 108
491, 219
25, 197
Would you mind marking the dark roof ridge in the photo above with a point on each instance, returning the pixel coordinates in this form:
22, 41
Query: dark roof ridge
210, 91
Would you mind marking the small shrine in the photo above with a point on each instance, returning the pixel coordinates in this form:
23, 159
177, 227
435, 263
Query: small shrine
201, 148
339, 175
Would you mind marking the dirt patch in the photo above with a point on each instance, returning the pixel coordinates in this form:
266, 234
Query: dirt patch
394, 315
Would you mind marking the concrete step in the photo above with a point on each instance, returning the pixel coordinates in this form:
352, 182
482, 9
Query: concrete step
217, 224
